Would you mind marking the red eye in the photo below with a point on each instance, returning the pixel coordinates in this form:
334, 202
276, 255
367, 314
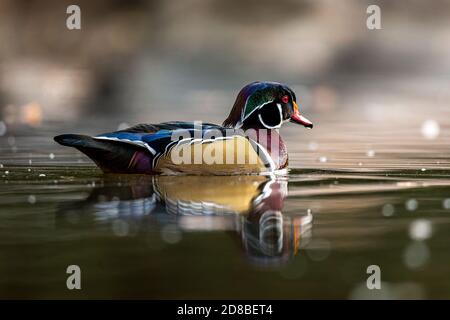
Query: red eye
285, 99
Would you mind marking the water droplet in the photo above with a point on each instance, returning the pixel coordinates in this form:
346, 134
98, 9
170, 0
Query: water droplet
31, 199
318, 249
446, 203
30, 162
313, 146
360, 164
11, 140
430, 129
388, 210
170, 234
370, 153
323, 159
411, 204
416, 255
120, 227
6, 172
423, 169
3, 128
420, 229
51, 156
41, 175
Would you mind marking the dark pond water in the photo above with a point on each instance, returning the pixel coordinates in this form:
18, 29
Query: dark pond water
358, 194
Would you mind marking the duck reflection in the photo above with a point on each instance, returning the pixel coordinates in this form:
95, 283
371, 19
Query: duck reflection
250, 206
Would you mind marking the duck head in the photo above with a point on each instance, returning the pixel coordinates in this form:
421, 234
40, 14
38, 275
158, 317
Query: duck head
265, 105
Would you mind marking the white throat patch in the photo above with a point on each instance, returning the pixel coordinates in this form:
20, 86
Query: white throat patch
276, 126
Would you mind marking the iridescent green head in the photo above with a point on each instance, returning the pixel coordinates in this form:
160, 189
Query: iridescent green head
265, 105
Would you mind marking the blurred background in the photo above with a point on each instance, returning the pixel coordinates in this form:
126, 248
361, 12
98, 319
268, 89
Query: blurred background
150, 61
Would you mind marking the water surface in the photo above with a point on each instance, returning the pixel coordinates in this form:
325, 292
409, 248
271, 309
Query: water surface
357, 194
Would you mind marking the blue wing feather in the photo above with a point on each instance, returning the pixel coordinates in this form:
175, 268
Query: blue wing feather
156, 137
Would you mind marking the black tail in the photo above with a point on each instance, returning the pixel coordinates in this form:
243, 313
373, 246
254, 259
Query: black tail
74, 140
110, 156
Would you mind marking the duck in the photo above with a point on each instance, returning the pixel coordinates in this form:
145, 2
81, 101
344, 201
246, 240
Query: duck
247, 142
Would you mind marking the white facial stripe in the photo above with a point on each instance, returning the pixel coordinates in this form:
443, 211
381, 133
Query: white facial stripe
248, 115
134, 142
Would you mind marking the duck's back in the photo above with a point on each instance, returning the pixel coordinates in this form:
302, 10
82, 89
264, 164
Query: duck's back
173, 148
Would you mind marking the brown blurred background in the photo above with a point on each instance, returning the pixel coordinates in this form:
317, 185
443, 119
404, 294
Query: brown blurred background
150, 61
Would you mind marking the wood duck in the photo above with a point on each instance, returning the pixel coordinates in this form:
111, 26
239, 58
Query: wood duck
248, 142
